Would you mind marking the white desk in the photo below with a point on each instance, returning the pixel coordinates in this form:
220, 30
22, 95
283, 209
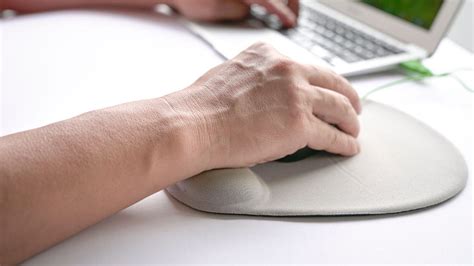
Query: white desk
61, 64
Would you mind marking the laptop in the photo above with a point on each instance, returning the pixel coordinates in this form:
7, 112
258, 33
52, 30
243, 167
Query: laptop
352, 37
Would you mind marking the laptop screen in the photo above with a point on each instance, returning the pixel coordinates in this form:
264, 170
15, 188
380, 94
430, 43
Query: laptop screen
419, 12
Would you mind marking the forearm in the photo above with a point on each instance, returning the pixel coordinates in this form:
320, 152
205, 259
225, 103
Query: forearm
59, 179
28, 6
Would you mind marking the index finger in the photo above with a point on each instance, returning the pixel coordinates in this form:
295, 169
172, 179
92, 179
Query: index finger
279, 8
328, 79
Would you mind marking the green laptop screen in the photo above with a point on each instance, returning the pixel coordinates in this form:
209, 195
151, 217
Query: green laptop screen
419, 12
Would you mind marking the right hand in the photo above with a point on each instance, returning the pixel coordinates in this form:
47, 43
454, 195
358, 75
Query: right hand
261, 106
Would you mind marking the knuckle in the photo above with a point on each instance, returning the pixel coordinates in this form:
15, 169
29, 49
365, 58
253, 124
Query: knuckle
296, 96
334, 140
297, 110
283, 66
328, 98
337, 81
315, 70
293, 90
310, 67
260, 45
344, 103
318, 95
298, 119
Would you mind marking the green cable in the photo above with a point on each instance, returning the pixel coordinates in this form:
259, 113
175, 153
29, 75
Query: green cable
416, 72
463, 84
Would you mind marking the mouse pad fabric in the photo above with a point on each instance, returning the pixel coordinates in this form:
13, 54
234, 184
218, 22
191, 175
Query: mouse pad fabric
403, 165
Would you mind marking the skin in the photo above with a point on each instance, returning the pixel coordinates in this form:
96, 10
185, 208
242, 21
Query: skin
259, 106
204, 10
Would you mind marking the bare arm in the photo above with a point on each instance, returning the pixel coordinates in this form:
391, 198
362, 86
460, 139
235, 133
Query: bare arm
208, 10
59, 179
28, 6
260, 106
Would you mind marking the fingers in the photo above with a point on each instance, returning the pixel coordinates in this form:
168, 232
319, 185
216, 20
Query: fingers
335, 109
328, 138
212, 10
280, 9
232, 10
328, 79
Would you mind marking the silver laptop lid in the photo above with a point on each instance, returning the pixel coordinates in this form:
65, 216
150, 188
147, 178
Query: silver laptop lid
419, 22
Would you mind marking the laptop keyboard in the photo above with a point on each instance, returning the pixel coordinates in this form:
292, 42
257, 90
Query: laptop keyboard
334, 41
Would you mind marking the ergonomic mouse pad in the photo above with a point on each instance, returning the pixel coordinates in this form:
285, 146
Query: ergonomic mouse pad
403, 165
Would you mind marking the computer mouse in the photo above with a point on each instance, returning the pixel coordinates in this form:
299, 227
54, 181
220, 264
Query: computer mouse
299, 155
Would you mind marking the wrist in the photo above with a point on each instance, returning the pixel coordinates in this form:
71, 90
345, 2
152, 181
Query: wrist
161, 139
202, 131
185, 134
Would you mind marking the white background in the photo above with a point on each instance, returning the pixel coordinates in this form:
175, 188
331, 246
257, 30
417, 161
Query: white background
461, 31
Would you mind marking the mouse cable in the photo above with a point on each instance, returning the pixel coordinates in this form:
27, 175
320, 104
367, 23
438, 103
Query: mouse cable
416, 71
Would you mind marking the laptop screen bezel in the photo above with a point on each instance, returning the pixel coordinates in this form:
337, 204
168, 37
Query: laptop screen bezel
397, 27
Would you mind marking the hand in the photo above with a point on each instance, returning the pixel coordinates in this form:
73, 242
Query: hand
217, 10
261, 106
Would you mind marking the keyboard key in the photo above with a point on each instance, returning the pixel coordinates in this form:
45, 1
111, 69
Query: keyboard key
359, 41
340, 31
331, 26
368, 55
350, 57
319, 29
328, 34
369, 46
358, 50
382, 52
336, 61
321, 52
318, 39
337, 50
349, 45
339, 39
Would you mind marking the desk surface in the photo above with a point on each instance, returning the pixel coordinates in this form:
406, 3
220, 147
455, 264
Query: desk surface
61, 64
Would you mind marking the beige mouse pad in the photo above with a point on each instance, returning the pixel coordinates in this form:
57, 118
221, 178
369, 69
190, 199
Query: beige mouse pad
403, 165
